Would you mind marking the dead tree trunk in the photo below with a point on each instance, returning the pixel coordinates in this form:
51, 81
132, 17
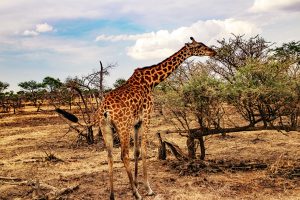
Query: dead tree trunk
90, 135
190, 143
162, 151
101, 81
175, 150
202, 148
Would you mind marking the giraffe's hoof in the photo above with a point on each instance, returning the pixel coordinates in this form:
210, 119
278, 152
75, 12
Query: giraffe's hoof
150, 193
139, 197
112, 196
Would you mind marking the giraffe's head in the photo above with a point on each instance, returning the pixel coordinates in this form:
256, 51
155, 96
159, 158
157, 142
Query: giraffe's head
199, 49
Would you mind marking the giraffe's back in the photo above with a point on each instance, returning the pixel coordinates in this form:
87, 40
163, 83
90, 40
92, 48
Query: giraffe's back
125, 104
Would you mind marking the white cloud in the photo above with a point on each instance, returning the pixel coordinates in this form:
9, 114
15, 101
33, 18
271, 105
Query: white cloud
14, 13
124, 37
42, 28
36, 57
163, 42
15, 18
30, 33
39, 28
271, 5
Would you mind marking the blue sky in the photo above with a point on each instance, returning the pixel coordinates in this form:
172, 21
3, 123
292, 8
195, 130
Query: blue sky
68, 37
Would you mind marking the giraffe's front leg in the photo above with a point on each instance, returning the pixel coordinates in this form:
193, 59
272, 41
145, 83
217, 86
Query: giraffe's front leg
124, 138
136, 151
145, 173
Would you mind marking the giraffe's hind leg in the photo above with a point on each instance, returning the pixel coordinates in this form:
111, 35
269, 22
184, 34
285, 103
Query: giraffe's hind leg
108, 139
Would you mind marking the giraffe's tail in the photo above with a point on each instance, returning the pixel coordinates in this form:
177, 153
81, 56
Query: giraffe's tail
67, 115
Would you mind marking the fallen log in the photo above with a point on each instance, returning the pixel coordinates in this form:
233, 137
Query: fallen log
198, 133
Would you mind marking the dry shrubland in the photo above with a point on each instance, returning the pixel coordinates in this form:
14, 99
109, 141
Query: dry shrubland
246, 86
38, 160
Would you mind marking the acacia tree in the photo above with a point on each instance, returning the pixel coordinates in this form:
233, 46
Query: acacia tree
191, 94
260, 83
53, 87
3, 86
119, 82
34, 91
52, 84
15, 100
4, 105
261, 92
10, 99
233, 54
289, 54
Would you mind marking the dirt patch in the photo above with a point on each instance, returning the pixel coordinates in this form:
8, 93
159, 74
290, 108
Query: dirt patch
40, 158
30, 121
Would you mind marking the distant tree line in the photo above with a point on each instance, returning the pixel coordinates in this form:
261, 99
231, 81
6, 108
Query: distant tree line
53, 92
81, 95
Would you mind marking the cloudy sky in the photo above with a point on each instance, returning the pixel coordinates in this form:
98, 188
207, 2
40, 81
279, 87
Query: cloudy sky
62, 38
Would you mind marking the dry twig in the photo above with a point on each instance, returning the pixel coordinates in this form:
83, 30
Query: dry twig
36, 185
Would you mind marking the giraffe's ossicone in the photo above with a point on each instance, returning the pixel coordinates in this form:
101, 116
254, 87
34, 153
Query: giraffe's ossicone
131, 104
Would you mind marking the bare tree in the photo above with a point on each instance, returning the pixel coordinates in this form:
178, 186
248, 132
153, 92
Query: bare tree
88, 92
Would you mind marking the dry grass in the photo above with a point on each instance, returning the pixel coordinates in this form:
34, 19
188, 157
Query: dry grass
33, 146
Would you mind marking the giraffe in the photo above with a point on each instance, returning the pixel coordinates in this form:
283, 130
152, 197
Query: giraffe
127, 109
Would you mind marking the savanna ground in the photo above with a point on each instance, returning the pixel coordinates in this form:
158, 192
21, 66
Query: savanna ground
34, 148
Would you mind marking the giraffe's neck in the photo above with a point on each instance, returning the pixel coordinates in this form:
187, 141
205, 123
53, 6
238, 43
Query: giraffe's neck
155, 74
